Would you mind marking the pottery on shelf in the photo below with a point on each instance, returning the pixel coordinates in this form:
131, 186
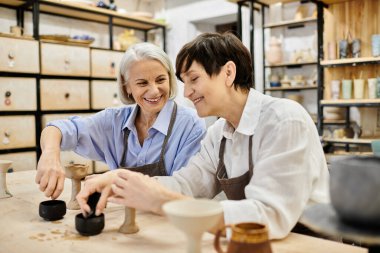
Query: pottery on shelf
76, 172
274, 54
4, 166
129, 226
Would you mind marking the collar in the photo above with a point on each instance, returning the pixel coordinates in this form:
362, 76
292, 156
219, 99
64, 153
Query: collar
249, 118
161, 123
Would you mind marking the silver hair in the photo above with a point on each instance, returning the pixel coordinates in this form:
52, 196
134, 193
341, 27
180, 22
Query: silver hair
138, 52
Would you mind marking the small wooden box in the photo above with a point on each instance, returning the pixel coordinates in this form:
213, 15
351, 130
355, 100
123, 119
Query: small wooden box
19, 55
18, 94
21, 161
64, 60
104, 94
64, 94
17, 132
105, 63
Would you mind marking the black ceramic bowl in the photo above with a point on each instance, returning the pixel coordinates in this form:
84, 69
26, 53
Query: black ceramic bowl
52, 210
92, 225
354, 190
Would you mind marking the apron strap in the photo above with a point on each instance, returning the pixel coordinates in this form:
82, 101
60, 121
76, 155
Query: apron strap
162, 154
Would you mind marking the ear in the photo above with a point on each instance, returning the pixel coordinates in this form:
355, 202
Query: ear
126, 88
230, 70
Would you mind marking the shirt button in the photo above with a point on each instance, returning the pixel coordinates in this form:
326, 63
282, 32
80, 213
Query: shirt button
141, 161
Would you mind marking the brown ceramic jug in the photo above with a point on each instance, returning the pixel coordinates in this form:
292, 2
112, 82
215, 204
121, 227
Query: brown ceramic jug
246, 238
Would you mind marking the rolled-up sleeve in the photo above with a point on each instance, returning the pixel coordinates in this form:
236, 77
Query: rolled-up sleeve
84, 135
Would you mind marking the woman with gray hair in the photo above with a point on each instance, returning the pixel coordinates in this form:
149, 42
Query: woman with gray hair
151, 135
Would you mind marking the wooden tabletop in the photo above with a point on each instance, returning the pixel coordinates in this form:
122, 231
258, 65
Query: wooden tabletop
22, 230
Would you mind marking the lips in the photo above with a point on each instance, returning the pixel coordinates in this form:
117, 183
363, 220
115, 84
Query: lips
197, 100
153, 100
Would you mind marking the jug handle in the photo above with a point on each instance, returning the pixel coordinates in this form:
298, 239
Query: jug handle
217, 237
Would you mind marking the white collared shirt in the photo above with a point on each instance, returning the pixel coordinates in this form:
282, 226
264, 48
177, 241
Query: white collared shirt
290, 170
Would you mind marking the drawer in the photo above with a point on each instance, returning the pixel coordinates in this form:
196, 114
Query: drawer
18, 94
105, 63
17, 132
104, 94
64, 94
21, 161
50, 117
65, 60
70, 157
100, 167
18, 55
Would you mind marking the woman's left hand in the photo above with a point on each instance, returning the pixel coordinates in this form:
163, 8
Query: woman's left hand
140, 191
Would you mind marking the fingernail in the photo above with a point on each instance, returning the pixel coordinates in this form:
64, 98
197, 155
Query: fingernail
97, 213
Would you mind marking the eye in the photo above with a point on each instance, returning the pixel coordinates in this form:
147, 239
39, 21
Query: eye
142, 83
161, 80
194, 79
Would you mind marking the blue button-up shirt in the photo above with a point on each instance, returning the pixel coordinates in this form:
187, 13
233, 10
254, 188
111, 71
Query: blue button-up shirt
101, 137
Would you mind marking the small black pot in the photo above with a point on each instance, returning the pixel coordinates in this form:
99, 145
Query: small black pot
92, 225
52, 210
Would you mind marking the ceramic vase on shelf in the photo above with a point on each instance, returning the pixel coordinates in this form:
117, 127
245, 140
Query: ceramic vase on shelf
274, 53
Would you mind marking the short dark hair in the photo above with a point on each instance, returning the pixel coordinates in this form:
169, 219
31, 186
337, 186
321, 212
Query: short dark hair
213, 51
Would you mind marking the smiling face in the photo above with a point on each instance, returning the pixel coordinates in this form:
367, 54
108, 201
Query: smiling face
148, 83
207, 93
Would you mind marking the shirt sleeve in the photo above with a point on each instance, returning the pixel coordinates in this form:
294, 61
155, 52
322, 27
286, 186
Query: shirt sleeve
191, 144
281, 184
83, 135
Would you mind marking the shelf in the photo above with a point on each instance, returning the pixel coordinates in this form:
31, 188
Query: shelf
12, 3
334, 1
291, 22
291, 65
269, 2
351, 102
350, 61
349, 141
89, 13
334, 122
291, 88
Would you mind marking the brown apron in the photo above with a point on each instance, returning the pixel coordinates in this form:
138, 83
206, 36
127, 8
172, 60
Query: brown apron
153, 169
233, 187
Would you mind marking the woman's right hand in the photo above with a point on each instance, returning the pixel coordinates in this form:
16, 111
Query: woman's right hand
99, 183
50, 174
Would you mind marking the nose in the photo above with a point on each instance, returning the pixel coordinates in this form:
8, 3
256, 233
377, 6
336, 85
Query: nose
154, 89
188, 91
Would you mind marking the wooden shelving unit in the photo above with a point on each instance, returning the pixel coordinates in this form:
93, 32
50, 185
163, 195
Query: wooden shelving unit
83, 12
360, 18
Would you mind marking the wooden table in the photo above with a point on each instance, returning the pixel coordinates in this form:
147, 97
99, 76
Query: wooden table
22, 230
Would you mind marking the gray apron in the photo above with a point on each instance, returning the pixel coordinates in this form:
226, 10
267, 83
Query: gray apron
233, 187
153, 169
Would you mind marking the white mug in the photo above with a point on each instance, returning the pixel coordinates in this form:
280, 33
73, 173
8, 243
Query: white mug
358, 88
335, 89
372, 83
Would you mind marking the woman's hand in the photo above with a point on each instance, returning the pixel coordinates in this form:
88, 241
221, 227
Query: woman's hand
50, 174
100, 183
142, 192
